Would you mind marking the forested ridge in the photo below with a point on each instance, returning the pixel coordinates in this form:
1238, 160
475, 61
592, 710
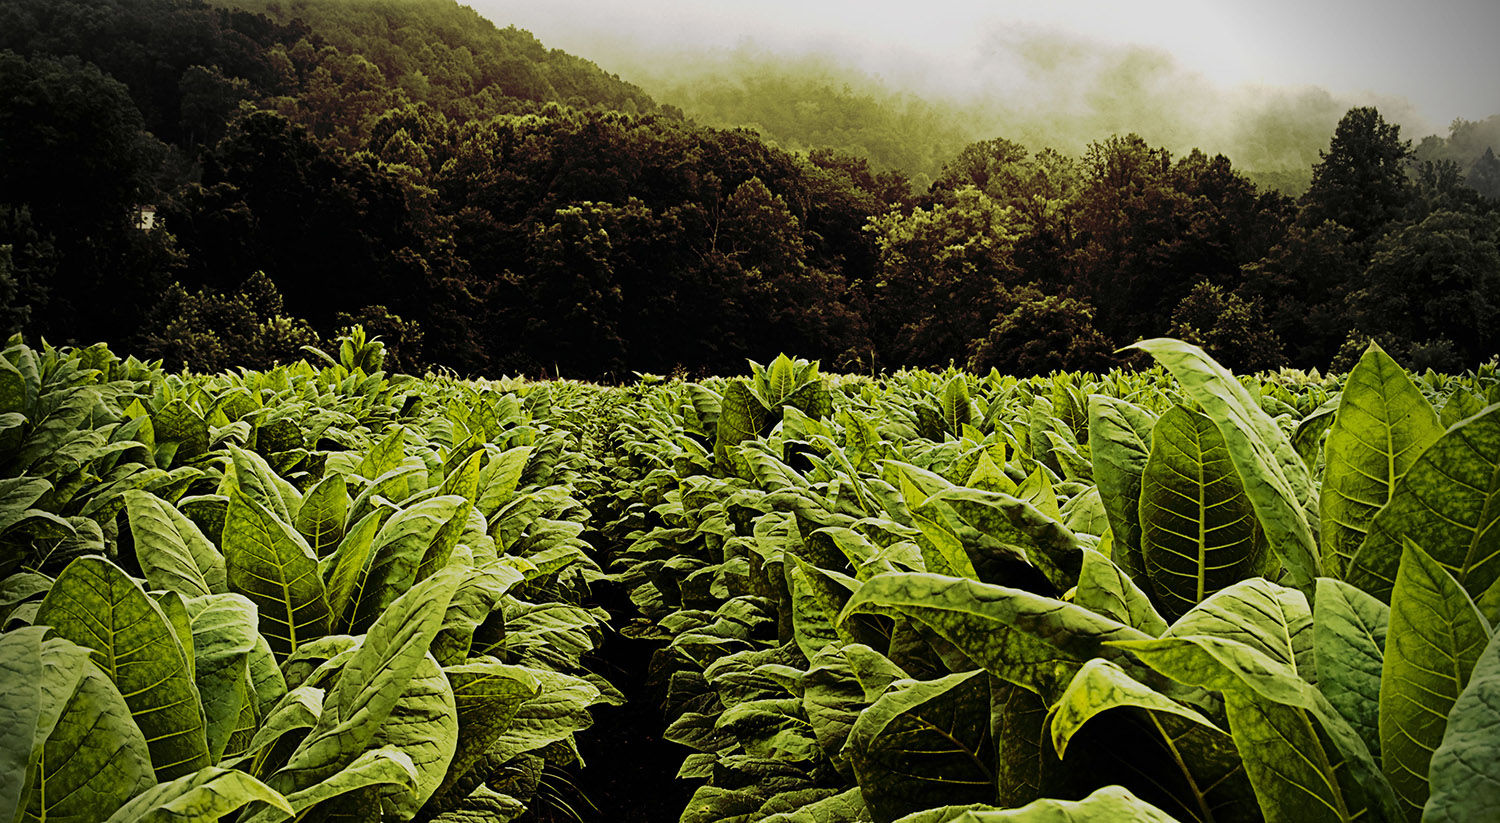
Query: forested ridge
489, 205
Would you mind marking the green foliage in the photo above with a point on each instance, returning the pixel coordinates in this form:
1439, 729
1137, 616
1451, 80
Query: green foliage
213, 687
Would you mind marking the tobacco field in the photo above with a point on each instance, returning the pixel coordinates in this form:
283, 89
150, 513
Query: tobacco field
328, 592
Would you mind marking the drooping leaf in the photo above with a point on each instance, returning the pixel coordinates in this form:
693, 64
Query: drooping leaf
96, 605
1101, 685
560, 708
21, 694
1018, 528
923, 743
1434, 638
424, 726
1272, 619
1110, 803
1383, 425
486, 697
372, 768
395, 554
1105, 588
1303, 759
1033, 641
1198, 529
205, 795
173, 552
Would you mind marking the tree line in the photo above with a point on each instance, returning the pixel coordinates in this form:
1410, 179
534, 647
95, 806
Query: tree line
490, 206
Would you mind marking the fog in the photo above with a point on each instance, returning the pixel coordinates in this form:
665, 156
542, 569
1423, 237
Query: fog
922, 79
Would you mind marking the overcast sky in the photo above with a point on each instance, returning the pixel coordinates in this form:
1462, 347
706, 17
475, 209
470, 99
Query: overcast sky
1439, 55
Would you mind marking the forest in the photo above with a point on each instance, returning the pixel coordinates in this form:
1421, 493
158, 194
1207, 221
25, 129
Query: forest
378, 443
220, 185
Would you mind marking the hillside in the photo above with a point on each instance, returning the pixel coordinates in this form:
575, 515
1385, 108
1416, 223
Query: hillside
489, 205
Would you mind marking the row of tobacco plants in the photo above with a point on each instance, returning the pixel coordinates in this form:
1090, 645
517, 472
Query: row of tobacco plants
1168, 594
322, 592
311, 593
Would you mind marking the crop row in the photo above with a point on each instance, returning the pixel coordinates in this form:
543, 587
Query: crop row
1169, 594
326, 593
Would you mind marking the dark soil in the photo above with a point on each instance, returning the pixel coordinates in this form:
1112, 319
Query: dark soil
630, 772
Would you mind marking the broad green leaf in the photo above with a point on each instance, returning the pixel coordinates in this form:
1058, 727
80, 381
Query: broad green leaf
1037, 490
395, 553
1119, 439
500, 477
252, 476
269, 562
1199, 764
394, 485
373, 679
1460, 406
988, 476
1433, 641
94, 604
923, 743
741, 417
486, 697
1349, 630
21, 694
173, 552
814, 619
265, 676
1308, 438
1198, 529
1105, 588
372, 768
424, 726
96, 757
1100, 686
1111, 803
473, 602
224, 635
560, 708
843, 807
1303, 759
205, 795
323, 514
1019, 528
1462, 772
343, 570
1447, 503
832, 699
1383, 425
1275, 479
954, 404
1018, 726
942, 550
178, 424
385, 456
297, 709
1272, 619
1033, 641
463, 480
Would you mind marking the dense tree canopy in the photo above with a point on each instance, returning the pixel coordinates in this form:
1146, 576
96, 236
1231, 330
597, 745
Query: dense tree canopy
491, 205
